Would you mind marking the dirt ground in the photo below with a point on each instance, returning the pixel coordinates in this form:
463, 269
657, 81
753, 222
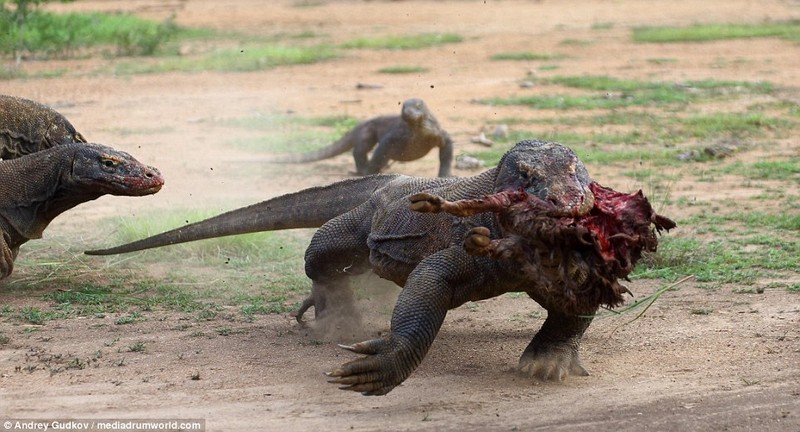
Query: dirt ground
735, 369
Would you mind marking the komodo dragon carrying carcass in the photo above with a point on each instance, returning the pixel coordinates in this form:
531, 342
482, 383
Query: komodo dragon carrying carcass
536, 223
27, 127
404, 138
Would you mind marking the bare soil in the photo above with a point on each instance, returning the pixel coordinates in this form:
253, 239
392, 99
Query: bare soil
697, 360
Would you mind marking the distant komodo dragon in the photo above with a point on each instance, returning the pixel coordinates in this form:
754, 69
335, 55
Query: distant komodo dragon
37, 187
27, 127
406, 137
536, 223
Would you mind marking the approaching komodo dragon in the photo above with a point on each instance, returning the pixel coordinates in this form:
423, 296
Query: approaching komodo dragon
27, 127
406, 137
532, 224
37, 187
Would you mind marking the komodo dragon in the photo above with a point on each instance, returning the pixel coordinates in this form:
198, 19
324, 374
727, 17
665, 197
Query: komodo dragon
406, 137
36, 188
404, 229
27, 127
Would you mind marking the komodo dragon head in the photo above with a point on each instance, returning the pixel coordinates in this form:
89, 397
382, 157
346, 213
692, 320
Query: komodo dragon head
102, 170
415, 111
549, 171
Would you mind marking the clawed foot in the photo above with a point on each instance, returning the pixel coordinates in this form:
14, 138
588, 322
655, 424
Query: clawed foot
478, 241
426, 203
551, 366
6, 260
373, 375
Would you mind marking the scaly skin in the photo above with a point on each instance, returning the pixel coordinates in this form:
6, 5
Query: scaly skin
28, 127
40, 186
379, 223
406, 137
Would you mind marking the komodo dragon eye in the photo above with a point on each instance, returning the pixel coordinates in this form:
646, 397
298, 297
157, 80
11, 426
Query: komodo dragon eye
528, 173
109, 162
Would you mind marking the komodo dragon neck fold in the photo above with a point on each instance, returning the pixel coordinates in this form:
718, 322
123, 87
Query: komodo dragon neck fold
44, 190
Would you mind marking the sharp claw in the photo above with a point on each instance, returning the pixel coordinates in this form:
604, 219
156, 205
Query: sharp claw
351, 348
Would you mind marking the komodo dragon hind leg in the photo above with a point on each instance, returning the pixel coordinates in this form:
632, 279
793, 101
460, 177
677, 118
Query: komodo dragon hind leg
338, 300
298, 314
335, 312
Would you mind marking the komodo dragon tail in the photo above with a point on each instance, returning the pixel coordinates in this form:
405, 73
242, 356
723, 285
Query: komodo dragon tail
309, 208
337, 148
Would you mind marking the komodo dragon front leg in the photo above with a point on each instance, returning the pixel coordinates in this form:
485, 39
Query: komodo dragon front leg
436, 285
553, 354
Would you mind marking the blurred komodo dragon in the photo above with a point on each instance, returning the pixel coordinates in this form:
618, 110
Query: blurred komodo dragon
406, 137
27, 127
446, 253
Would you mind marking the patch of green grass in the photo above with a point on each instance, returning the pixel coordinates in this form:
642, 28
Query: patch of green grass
251, 305
641, 174
775, 170
33, 315
128, 319
425, 40
737, 125
615, 93
308, 3
795, 288
548, 67
49, 34
711, 32
576, 42
749, 245
783, 220
713, 261
602, 26
773, 221
227, 331
596, 154
701, 311
398, 70
288, 141
244, 59
662, 60
607, 83
563, 102
292, 134
526, 56
270, 121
